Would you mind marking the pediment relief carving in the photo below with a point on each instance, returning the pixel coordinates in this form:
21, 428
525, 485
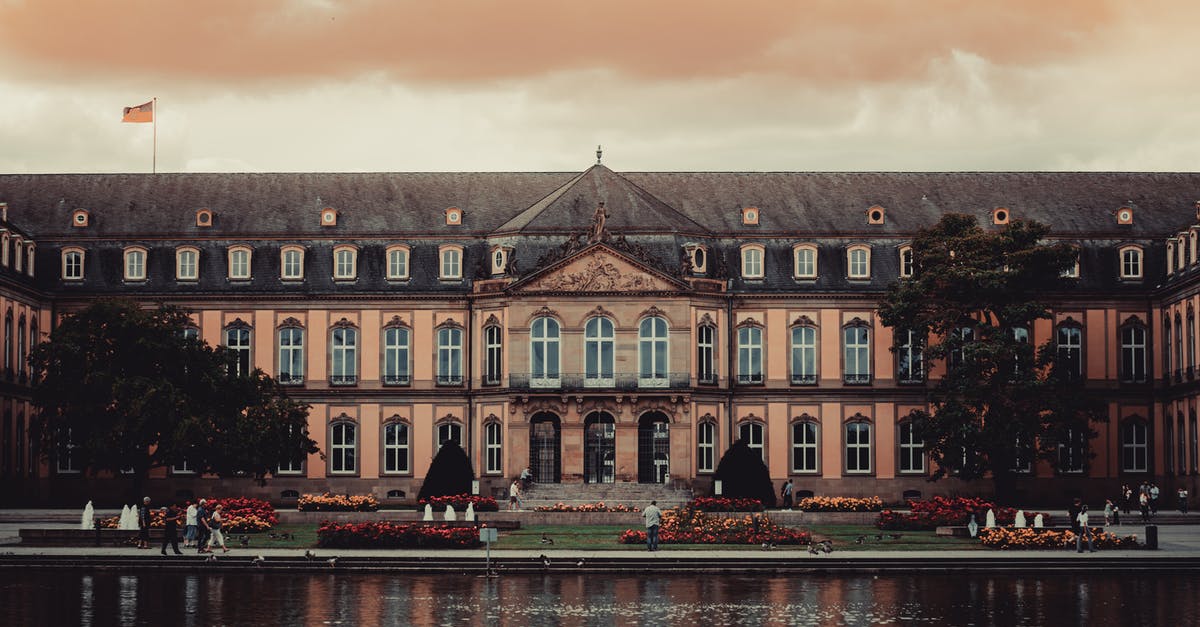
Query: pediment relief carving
290, 322
396, 321
599, 271
803, 321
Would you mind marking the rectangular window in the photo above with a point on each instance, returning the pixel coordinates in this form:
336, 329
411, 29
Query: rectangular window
858, 447
449, 357
135, 265
344, 264
859, 266
293, 265
910, 358
857, 354
239, 264
1071, 452
804, 447
493, 447
344, 347
706, 447
752, 433
397, 267
237, 340
1131, 263
1070, 352
750, 355
66, 454
343, 449
451, 263
804, 355
706, 364
395, 448
806, 263
291, 356
186, 265
73, 265
1134, 448
752, 263
1133, 354
912, 450
492, 355
395, 356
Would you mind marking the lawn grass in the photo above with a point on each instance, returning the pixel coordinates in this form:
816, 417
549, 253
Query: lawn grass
845, 538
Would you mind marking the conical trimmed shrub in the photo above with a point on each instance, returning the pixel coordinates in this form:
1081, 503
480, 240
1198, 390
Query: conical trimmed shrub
449, 473
744, 475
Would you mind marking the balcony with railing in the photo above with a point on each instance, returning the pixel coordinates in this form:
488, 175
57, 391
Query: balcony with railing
616, 381
395, 379
343, 379
856, 379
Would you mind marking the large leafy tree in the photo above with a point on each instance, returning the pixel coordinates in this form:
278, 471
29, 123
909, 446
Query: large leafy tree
975, 294
126, 390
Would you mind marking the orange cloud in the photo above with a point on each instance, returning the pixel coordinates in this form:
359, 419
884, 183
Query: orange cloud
479, 40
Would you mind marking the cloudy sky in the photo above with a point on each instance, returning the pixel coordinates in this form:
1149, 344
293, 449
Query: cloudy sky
398, 85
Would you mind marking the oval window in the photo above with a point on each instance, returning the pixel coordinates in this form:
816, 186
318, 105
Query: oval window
698, 258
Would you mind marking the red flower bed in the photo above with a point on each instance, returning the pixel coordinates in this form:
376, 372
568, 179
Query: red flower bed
459, 502
389, 535
723, 504
242, 515
689, 526
945, 512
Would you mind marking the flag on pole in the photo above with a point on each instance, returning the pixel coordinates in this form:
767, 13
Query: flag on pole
139, 114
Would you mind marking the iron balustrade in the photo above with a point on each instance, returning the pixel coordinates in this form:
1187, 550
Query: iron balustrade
395, 379
856, 379
617, 381
343, 379
449, 379
804, 379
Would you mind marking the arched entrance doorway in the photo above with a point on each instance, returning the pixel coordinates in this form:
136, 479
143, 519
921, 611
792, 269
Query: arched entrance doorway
599, 448
654, 448
545, 439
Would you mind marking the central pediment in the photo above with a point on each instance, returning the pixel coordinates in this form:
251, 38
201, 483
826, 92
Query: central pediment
598, 268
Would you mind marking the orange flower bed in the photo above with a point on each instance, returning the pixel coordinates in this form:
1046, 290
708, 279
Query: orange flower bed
840, 504
586, 507
337, 503
1027, 538
690, 526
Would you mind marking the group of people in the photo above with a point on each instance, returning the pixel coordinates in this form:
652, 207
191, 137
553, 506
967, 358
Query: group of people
516, 491
203, 526
1146, 497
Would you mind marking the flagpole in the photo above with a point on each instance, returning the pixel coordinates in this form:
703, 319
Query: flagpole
154, 113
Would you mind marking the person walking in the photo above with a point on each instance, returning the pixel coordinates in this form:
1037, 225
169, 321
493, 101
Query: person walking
143, 516
1144, 505
171, 529
1108, 512
216, 521
202, 528
1084, 532
786, 493
1154, 499
653, 518
514, 495
189, 525
1181, 495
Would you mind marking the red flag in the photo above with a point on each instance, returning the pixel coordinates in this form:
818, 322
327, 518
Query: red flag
140, 113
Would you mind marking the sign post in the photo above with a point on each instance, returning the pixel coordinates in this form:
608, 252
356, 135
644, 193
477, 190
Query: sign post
487, 535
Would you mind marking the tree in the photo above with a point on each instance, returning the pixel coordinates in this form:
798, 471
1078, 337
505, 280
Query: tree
450, 473
975, 295
122, 389
743, 475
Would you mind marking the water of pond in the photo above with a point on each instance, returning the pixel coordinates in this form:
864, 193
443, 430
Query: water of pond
56, 598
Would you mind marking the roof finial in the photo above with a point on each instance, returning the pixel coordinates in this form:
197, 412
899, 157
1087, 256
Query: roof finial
599, 152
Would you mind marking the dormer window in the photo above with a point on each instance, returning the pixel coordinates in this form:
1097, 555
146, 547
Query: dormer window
239, 263
72, 264
345, 263
329, 216
187, 263
29, 256
804, 261
1170, 255
1072, 271
17, 258
454, 216
450, 267
752, 261
1131, 262
500, 260
1125, 215
1000, 215
858, 262
397, 263
135, 264
750, 216
204, 218
875, 215
80, 218
291, 263
698, 257
906, 262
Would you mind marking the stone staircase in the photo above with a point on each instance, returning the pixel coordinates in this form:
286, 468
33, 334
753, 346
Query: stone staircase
635, 494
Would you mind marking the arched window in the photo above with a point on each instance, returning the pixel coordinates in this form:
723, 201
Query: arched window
752, 433
910, 356
804, 261
72, 264
451, 262
449, 351
1070, 352
343, 448
345, 263
906, 262
1134, 446
706, 353
858, 262
805, 445
492, 354
397, 263
858, 447
912, 449
30, 256
449, 432
804, 355
291, 355
22, 353
396, 369
187, 263
396, 449
856, 353
652, 352
1131, 262
750, 355
135, 264
706, 446
1133, 353
291, 263
239, 263
1191, 342
492, 443
598, 352
237, 340
343, 347
752, 261
543, 353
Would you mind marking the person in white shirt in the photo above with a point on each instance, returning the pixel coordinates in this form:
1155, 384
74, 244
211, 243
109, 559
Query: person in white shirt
190, 530
1084, 531
653, 517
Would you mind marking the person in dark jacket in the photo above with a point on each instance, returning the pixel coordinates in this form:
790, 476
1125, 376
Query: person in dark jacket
171, 516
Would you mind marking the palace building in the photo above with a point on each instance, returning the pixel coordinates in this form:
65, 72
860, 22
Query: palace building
599, 326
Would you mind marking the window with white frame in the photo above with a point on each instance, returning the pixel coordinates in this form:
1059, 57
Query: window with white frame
1070, 352
804, 262
961, 347
239, 263
912, 449
906, 261
449, 352
752, 262
1131, 262
1166, 346
291, 263
187, 264
706, 447
135, 264
396, 356
492, 354
29, 257
804, 355
451, 262
396, 448
492, 448
345, 263
449, 432
72, 264
237, 340
543, 352
1071, 451
856, 343
291, 356
1071, 271
804, 446
343, 448
1134, 447
397, 263
17, 258
753, 433
652, 352
706, 353
910, 360
858, 262
858, 447
598, 352
750, 355
343, 347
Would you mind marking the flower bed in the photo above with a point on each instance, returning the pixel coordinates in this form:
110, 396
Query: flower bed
944, 512
389, 535
242, 515
337, 503
840, 504
586, 507
1028, 538
460, 501
691, 526
723, 504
